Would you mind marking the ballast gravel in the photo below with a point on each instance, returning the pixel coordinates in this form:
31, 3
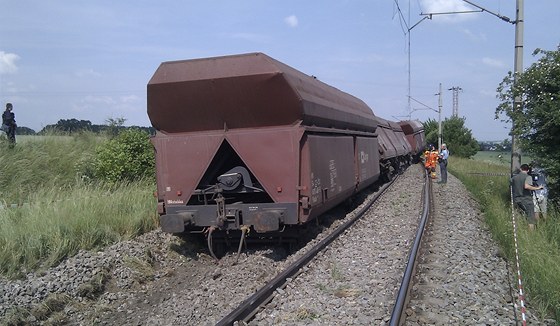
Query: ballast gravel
462, 278
355, 280
161, 279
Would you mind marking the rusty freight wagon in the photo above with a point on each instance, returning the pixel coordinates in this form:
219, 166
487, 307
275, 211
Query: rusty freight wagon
247, 142
414, 131
394, 149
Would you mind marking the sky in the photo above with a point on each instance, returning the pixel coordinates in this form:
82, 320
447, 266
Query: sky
92, 60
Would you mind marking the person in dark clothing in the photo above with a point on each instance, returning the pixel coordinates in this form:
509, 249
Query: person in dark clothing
442, 159
522, 185
9, 123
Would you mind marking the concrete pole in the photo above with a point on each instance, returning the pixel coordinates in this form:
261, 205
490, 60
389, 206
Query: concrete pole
409, 107
518, 68
439, 126
409, 82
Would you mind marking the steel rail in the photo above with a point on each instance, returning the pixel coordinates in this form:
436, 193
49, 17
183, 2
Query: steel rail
402, 297
248, 307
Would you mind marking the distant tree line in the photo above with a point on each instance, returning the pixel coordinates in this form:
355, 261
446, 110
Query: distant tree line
112, 126
456, 136
504, 145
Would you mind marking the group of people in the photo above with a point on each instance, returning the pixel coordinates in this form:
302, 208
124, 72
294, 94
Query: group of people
9, 123
528, 184
432, 157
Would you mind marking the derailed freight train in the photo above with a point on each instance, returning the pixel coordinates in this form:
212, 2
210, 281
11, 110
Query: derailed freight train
245, 142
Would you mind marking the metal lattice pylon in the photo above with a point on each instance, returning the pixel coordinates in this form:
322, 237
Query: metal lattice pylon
455, 90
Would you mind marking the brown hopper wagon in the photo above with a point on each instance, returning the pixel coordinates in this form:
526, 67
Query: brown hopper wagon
245, 142
394, 149
414, 131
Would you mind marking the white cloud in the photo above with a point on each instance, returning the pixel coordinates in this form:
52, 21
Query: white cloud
8, 63
129, 99
251, 37
105, 105
99, 99
444, 5
448, 6
87, 73
291, 21
352, 59
493, 63
92, 102
488, 93
474, 37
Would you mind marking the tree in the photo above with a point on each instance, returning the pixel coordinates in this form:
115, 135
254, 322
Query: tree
537, 121
431, 129
25, 131
69, 125
506, 145
114, 125
456, 136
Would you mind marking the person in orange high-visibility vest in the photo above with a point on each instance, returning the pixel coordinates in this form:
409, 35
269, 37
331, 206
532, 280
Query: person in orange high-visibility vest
427, 160
430, 161
434, 154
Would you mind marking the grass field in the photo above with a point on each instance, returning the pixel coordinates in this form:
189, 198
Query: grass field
48, 212
499, 157
539, 250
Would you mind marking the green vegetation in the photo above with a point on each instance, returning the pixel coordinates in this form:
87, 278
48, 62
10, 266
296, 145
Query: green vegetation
499, 157
129, 156
50, 209
539, 250
111, 127
455, 135
537, 120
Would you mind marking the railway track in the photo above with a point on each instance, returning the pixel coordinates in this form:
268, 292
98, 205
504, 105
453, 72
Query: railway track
156, 279
266, 300
402, 283
462, 277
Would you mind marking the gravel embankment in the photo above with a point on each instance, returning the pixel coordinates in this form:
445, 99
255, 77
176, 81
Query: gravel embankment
462, 277
355, 280
155, 279
159, 279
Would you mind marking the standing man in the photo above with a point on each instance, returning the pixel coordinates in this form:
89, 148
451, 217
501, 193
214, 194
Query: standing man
9, 124
443, 156
522, 184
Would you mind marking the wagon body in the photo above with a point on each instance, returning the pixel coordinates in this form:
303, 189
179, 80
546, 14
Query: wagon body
414, 131
245, 140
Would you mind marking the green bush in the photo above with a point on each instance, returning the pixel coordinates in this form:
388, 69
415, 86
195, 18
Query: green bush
128, 157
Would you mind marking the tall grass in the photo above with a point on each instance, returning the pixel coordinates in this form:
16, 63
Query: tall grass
539, 250
49, 213
51, 161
